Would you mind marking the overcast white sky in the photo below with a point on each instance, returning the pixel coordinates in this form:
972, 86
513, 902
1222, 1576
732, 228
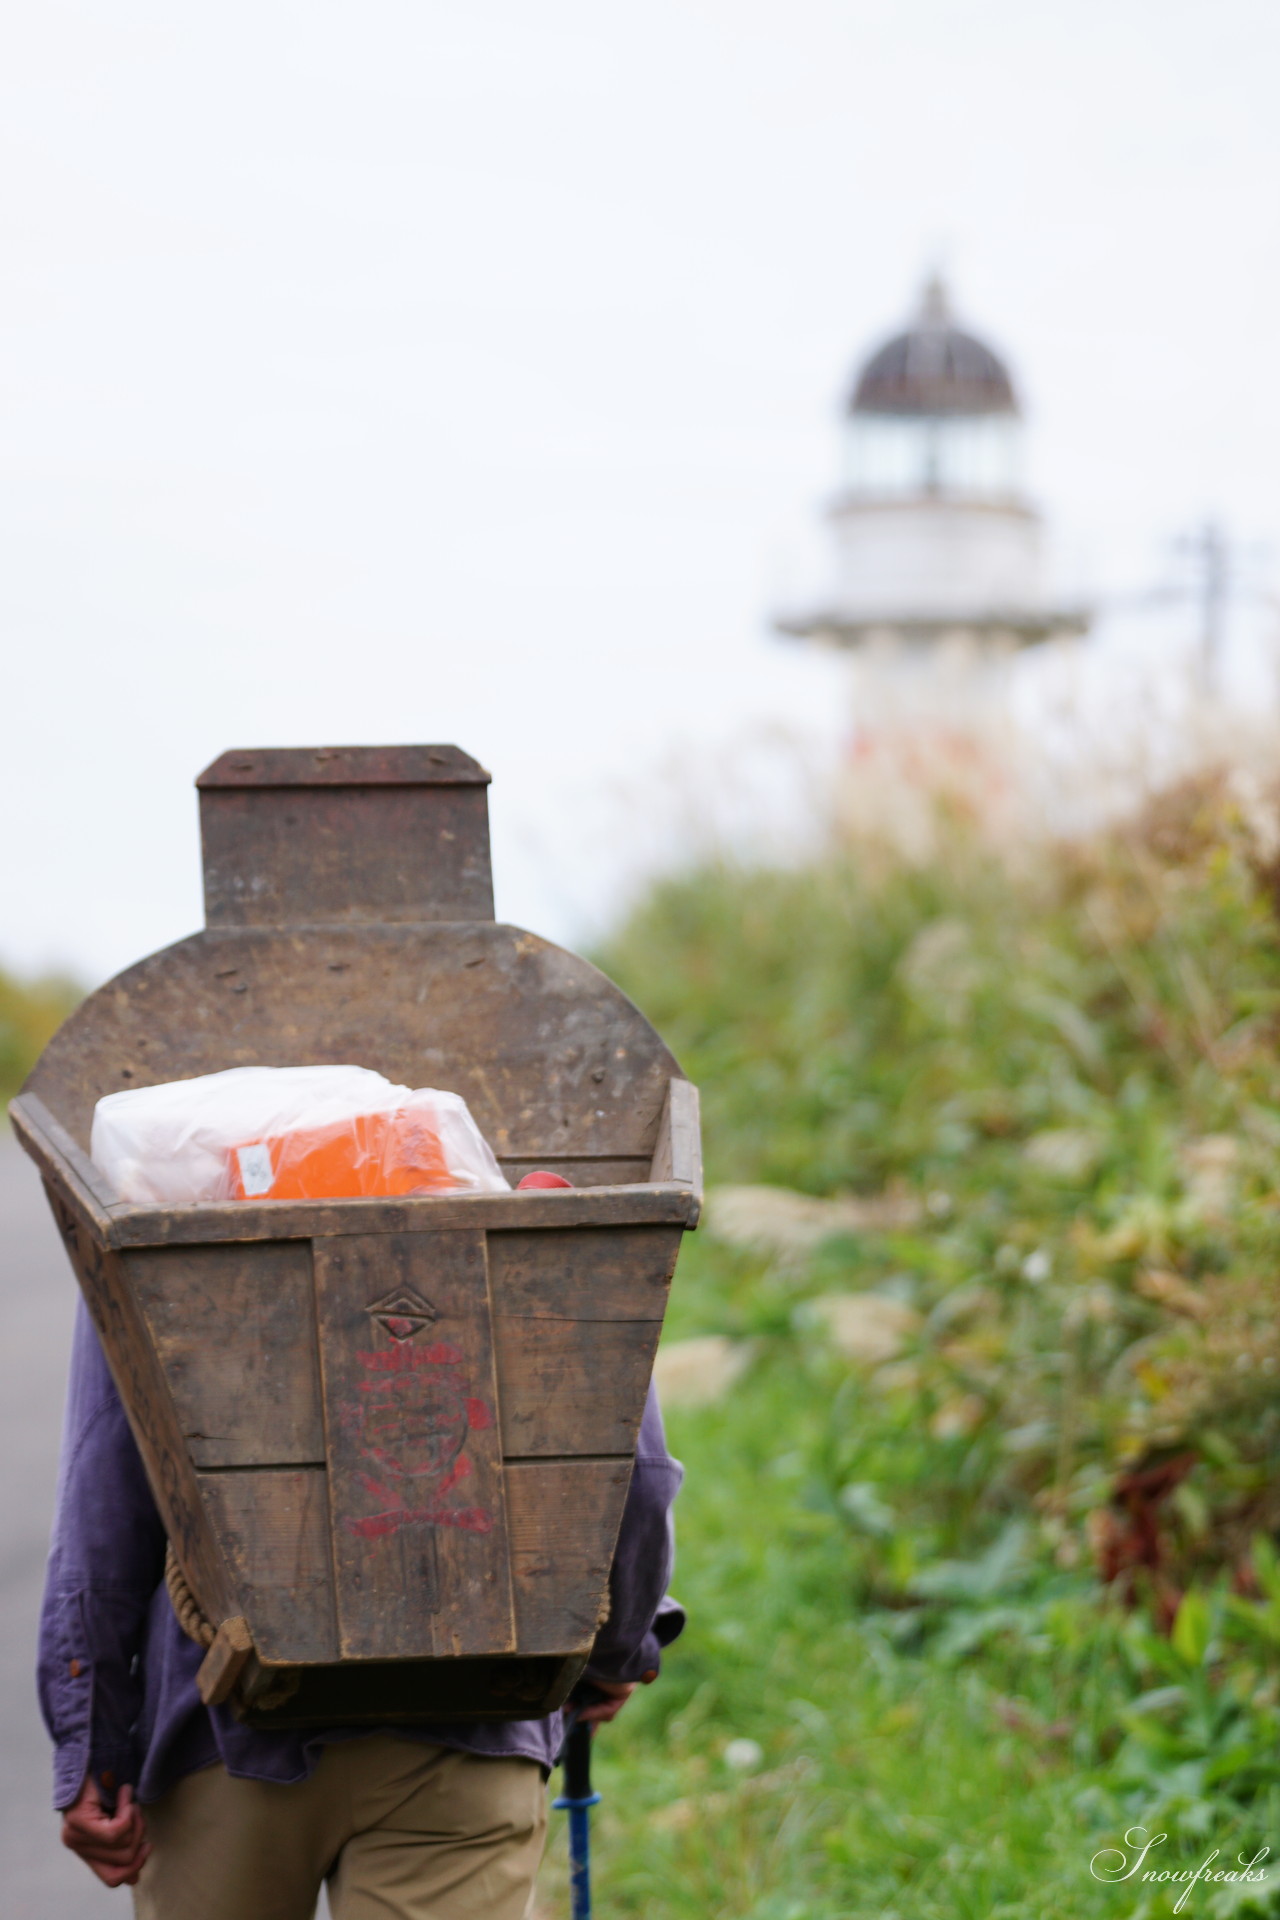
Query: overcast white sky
412, 371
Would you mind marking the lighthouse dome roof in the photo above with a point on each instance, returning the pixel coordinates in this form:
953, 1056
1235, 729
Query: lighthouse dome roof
934, 368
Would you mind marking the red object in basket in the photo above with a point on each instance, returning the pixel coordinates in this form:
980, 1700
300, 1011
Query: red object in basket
542, 1179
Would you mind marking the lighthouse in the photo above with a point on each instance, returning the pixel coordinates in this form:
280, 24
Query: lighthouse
935, 584
933, 543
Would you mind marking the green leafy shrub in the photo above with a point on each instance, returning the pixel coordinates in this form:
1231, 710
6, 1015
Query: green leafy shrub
1064, 1078
31, 1011
1074, 1068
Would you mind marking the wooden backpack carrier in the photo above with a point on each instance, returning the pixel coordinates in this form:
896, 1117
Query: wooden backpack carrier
349, 918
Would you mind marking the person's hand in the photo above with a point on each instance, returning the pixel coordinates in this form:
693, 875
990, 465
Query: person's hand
114, 1845
617, 1693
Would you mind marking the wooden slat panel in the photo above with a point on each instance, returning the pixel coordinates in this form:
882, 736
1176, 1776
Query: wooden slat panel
367, 1694
416, 1483
55, 1152
588, 1273
234, 1328
573, 1386
321, 1219
600, 1172
563, 1517
678, 1153
273, 1528
576, 1319
276, 857
149, 1406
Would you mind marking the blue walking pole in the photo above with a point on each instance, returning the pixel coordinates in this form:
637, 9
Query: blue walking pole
577, 1800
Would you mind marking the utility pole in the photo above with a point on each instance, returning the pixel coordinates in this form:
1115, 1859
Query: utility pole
1210, 556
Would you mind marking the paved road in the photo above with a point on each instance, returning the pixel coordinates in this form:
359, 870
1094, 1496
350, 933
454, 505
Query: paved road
39, 1881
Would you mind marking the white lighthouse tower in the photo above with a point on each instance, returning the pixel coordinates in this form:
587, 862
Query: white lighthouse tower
933, 540
935, 581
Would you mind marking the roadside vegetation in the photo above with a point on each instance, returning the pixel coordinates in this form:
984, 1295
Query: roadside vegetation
31, 1011
977, 1533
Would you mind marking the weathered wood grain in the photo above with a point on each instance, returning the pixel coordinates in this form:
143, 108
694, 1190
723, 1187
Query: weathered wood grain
563, 1517
324, 1219
234, 1329
554, 1062
225, 1662
273, 1529
572, 1386
83, 1188
620, 1171
576, 1320
401, 766
150, 1410
382, 1693
419, 1522
582, 1274
677, 1154
340, 855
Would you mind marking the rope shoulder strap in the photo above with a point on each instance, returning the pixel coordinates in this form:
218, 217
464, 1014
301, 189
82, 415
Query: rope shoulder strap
270, 1691
190, 1618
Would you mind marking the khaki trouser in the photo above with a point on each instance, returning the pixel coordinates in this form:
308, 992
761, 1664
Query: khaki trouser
401, 1830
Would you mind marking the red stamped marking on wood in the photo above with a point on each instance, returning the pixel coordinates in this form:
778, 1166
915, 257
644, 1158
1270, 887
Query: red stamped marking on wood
406, 1359
413, 1423
421, 1558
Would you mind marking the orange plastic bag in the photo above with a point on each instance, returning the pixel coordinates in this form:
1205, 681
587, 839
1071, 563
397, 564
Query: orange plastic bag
373, 1153
288, 1133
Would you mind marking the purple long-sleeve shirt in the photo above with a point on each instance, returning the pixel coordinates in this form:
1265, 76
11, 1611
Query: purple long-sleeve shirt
117, 1675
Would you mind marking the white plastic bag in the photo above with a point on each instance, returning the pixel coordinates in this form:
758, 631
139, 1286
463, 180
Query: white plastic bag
288, 1133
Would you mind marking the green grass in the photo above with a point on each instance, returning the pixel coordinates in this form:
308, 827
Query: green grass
953, 1714
891, 1781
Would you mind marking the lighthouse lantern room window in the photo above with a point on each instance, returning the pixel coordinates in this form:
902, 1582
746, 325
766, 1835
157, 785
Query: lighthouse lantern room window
934, 413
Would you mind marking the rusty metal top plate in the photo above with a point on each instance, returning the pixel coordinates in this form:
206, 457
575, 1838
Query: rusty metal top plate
422, 766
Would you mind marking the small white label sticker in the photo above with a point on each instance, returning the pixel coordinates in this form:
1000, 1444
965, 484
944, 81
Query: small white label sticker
256, 1174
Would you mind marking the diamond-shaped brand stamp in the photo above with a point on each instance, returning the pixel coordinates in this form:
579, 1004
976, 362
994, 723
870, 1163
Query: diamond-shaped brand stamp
402, 1313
